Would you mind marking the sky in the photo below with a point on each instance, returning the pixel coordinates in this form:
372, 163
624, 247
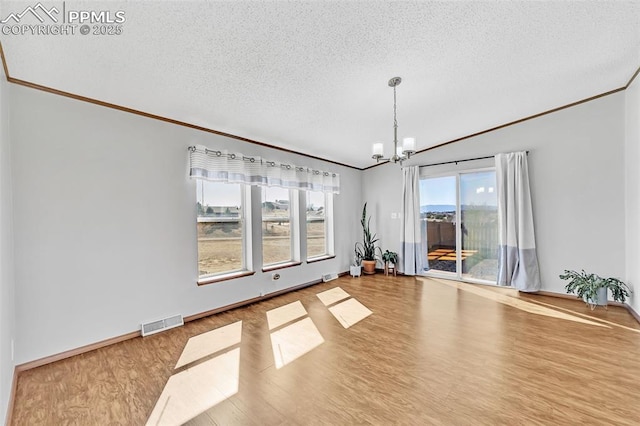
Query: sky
218, 194
476, 188
227, 195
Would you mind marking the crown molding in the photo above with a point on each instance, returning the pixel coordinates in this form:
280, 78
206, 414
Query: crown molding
264, 144
511, 123
633, 77
57, 92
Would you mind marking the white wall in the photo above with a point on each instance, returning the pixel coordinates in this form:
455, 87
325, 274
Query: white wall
7, 285
576, 164
104, 216
105, 233
632, 180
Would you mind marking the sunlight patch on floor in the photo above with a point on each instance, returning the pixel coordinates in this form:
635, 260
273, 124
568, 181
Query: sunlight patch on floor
295, 340
208, 343
191, 392
200, 387
194, 390
284, 314
332, 296
350, 312
635, 330
505, 299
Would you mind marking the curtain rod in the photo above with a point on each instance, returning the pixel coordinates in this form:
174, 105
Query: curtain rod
241, 157
461, 161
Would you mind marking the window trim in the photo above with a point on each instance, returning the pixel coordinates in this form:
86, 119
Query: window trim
212, 279
321, 258
329, 245
294, 233
281, 265
246, 267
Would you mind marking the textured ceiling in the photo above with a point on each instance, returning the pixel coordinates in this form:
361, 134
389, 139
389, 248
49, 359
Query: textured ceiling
312, 76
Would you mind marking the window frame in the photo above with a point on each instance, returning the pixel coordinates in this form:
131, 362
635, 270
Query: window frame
246, 268
329, 242
458, 275
294, 233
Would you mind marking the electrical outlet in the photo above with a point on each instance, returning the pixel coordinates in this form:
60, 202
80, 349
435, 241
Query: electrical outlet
275, 277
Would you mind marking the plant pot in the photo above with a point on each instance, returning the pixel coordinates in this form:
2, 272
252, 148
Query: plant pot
355, 270
602, 298
369, 267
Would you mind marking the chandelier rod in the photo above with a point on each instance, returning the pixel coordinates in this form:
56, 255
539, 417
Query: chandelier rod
395, 123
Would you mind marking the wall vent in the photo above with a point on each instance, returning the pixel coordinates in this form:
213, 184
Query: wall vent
161, 325
329, 277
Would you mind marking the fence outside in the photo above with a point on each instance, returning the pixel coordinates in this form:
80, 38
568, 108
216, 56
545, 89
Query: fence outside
481, 237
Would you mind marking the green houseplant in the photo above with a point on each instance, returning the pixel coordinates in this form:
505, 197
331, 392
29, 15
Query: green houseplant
389, 258
593, 288
366, 250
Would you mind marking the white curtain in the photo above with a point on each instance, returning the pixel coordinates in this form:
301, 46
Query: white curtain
517, 259
412, 251
234, 167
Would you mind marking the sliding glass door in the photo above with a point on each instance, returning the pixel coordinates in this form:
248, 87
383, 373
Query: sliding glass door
466, 248
438, 208
479, 225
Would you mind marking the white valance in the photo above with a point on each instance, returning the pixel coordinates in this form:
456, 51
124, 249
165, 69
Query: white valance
233, 167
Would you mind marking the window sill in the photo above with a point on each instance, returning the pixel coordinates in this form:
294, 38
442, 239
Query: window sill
224, 277
280, 266
321, 258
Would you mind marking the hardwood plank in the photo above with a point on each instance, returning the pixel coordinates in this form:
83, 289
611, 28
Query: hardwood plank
432, 352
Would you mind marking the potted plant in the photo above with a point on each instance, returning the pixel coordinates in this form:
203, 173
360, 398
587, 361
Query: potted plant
356, 267
366, 250
593, 288
390, 259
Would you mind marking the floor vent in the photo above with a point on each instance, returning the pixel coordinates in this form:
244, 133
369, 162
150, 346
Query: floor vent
161, 325
329, 277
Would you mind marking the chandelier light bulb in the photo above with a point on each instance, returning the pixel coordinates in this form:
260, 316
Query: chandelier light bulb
378, 149
409, 145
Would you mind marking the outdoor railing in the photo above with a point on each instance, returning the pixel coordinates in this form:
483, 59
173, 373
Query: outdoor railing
480, 237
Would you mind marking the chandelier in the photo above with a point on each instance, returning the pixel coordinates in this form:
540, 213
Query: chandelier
400, 153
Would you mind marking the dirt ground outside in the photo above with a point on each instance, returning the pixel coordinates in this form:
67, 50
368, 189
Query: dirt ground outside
220, 250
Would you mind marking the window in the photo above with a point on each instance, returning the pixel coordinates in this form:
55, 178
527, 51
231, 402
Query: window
438, 208
222, 229
319, 225
225, 238
279, 210
460, 218
479, 225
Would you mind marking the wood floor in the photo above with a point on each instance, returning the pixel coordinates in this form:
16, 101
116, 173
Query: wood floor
432, 352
